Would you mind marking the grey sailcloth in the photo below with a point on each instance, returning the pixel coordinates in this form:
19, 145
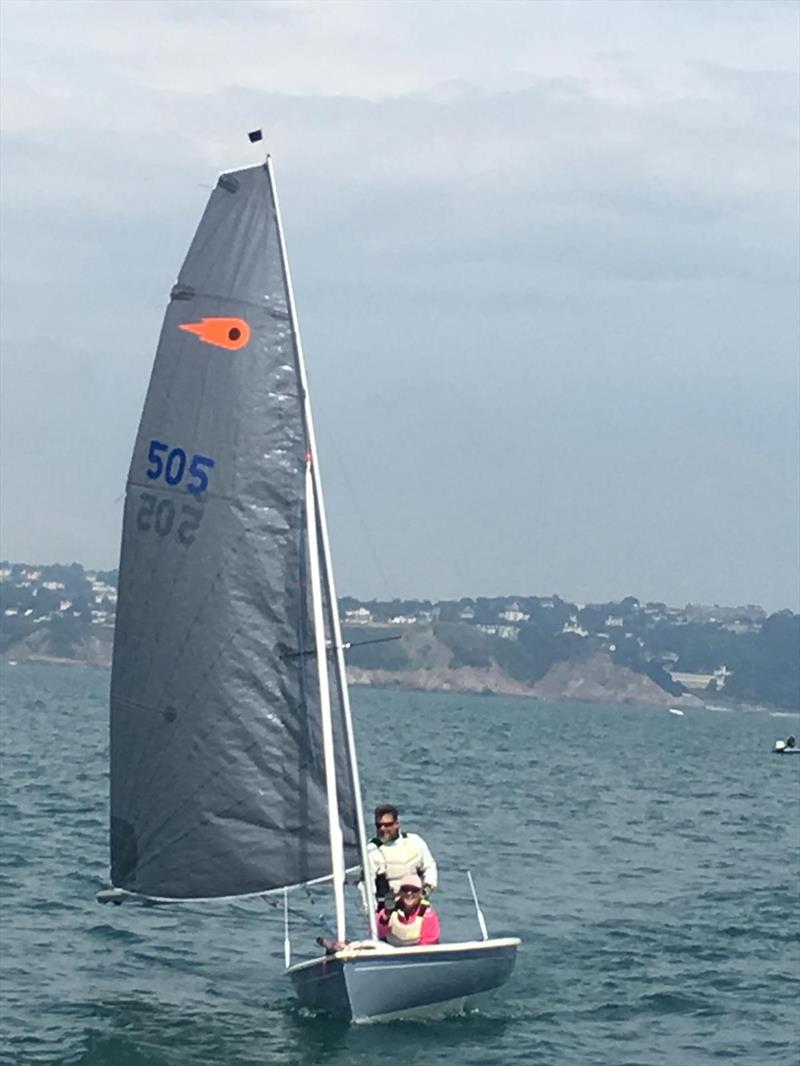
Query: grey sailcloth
217, 772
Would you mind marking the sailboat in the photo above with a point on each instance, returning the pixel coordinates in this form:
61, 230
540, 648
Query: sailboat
233, 759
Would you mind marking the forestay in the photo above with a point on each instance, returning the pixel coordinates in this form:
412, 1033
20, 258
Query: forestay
217, 770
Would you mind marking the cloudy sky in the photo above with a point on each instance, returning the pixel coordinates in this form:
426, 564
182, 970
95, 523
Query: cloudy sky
545, 258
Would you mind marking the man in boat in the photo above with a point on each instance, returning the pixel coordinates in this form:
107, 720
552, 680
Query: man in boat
392, 854
410, 919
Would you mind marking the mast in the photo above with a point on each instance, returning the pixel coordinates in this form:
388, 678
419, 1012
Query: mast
369, 888
316, 510
334, 828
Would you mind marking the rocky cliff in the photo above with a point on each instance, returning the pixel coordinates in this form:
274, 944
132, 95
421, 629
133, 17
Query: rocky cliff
596, 679
593, 679
39, 647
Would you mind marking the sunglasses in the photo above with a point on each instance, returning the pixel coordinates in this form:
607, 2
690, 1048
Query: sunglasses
410, 891
385, 825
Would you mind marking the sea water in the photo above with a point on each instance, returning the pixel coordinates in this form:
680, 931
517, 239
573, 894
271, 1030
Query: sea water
650, 863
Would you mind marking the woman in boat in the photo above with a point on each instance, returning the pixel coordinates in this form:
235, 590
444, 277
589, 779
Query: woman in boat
412, 920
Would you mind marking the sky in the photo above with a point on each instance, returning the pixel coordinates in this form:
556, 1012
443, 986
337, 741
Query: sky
545, 257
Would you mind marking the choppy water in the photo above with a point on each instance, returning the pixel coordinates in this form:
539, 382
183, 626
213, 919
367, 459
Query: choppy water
650, 863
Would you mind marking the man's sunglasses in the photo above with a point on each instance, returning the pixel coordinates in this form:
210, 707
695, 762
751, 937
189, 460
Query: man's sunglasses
385, 825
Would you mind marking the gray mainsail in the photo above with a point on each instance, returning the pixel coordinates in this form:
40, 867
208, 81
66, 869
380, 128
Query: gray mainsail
217, 769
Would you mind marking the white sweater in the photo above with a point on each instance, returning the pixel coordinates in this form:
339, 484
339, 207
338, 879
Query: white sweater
408, 854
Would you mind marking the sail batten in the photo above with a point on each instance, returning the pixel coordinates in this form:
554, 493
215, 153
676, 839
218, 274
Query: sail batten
218, 785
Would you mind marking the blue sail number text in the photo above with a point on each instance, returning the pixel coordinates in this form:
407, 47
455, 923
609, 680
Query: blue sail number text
171, 464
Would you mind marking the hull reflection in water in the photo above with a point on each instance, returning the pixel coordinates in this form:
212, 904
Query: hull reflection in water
368, 982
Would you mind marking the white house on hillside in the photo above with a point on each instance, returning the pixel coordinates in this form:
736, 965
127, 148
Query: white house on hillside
514, 614
574, 626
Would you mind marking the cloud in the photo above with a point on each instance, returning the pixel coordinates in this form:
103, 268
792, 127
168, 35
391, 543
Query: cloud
509, 236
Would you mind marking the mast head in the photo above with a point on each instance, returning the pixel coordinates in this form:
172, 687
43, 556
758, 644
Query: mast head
255, 136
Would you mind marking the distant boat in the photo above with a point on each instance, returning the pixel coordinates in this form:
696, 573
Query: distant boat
675, 710
786, 747
233, 761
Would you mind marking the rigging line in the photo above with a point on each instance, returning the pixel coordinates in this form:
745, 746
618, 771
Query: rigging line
330, 442
345, 646
303, 916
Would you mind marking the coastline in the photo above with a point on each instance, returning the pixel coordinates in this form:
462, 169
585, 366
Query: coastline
479, 682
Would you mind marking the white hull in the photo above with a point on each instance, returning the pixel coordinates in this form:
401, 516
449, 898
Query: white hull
372, 982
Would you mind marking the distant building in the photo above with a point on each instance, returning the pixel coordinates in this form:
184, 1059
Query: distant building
466, 614
702, 681
574, 626
514, 614
692, 681
403, 620
504, 632
613, 620
54, 586
721, 675
742, 627
358, 617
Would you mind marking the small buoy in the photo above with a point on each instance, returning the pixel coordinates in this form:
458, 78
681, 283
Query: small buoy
674, 710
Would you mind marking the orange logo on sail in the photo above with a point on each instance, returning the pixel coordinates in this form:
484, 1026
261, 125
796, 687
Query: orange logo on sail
230, 333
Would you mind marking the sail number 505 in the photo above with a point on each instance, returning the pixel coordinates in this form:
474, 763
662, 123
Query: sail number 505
171, 464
